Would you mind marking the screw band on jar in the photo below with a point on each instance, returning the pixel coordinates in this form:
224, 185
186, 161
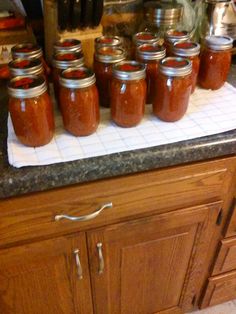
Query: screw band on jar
26, 51
151, 52
186, 49
27, 86
219, 42
129, 70
77, 78
19, 67
145, 38
175, 66
107, 41
67, 45
67, 59
174, 35
110, 54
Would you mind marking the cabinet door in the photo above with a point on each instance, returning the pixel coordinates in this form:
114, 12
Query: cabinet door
42, 278
145, 266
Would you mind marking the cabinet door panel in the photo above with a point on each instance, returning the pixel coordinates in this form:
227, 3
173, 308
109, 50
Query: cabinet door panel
42, 278
148, 261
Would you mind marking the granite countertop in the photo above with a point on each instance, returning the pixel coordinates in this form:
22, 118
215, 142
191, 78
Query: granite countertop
15, 181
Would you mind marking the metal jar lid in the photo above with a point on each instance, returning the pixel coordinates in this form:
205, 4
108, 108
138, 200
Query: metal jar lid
129, 70
77, 78
19, 67
174, 35
186, 49
145, 38
110, 54
64, 60
26, 51
219, 42
27, 86
175, 66
108, 41
151, 52
69, 44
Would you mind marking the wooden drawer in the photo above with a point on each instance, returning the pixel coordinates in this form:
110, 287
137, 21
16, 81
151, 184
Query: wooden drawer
226, 260
32, 216
231, 230
220, 289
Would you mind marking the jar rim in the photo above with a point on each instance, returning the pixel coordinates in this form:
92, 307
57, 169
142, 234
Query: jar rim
175, 66
129, 70
71, 59
77, 77
152, 52
187, 49
109, 54
145, 38
219, 42
27, 86
107, 40
25, 67
26, 50
176, 35
68, 44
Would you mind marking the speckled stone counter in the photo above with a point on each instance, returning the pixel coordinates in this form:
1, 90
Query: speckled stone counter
15, 181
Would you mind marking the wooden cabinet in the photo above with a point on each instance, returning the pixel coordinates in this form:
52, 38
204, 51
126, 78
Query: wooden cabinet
151, 252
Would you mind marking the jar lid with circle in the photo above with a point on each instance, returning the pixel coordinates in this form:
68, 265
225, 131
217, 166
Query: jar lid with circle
145, 38
107, 41
63, 60
77, 78
151, 52
186, 49
27, 86
19, 67
129, 70
27, 51
110, 54
67, 45
175, 35
175, 66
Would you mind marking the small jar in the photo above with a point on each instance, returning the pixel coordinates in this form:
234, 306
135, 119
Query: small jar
67, 45
173, 36
30, 51
107, 41
215, 62
31, 110
128, 93
191, 51
174, 86
79, 101
150, 55
62, 61
104, 59
142, 38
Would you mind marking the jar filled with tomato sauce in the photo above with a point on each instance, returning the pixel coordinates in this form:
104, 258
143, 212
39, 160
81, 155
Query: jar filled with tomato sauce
215, 61
142, 38
31, 110
191, 51
61, 61
174, 86
150, 55
107, 41
128, 93
30, 51
104, 59
173, 36
79, 101
67, 45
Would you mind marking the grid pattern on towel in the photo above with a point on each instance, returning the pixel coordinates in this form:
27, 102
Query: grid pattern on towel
209, 112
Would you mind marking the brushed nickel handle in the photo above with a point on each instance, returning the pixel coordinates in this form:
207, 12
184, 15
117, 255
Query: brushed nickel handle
86, 217
101, 259
78, 264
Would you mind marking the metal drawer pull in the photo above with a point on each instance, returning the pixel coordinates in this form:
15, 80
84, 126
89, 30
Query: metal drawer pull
100, 257
86, 217
78, 264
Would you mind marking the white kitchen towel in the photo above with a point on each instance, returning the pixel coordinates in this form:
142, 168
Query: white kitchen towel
209, 112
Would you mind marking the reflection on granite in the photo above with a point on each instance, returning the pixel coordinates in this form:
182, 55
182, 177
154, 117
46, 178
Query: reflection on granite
15, 181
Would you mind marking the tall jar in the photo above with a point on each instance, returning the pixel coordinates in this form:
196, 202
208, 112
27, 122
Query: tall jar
67, 45
31, 110
174, 86
128, 93
190, 50
150, 55
62, 61
215, 61
79, 101
30, 51
104, 59
142, 38
173, 36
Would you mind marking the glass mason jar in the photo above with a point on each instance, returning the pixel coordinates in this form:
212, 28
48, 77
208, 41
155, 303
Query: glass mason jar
31, 110
128, 93
79, 101
150, 55
62, 61
142, 38
191, 51
67, 45
215, 61
107, 41
104, 59
173, 36
174, 86
30, 51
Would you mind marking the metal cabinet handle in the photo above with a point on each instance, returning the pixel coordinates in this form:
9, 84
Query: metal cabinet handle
86, 217
101, 259
78, 264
